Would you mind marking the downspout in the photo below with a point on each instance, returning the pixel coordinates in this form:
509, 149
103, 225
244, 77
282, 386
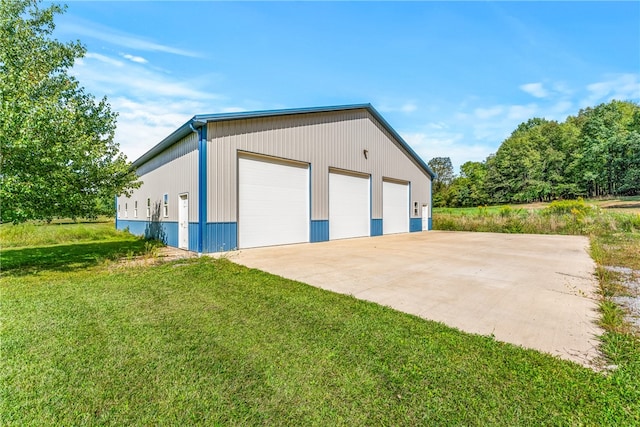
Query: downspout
201, 131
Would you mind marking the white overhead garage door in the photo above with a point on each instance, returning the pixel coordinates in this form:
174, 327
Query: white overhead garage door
395, 207
349, 206
273, 202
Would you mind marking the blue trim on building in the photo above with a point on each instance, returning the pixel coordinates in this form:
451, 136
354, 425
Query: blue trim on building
376, 227
221, 237
137, 228
319, 230
164, 231
193, 236
415, 224
202, 187
430, 224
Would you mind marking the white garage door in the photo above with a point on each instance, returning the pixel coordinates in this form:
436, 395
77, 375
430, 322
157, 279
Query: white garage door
395, 208
349, 207
273, 203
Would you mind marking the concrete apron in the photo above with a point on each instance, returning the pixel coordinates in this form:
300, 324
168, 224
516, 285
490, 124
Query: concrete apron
536, 291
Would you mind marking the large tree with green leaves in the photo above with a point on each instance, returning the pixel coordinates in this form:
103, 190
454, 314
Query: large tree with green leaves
443, 168
57, 153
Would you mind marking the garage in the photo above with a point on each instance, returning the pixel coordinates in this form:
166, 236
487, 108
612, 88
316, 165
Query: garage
349, 205
395, 207
273, 202
278, 177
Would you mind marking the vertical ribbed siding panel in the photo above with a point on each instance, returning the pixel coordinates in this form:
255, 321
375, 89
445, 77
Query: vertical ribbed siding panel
172, 172
335, 139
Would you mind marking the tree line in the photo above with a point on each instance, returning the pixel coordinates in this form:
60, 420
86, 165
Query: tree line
596, 153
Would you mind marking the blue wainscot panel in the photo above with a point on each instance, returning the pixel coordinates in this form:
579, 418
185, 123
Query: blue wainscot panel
319, 230
415, 224
137, 228
193, 236
376, 227
221, 237
429, 225
166, 232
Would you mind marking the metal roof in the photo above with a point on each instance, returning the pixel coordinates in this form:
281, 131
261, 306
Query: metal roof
200, 120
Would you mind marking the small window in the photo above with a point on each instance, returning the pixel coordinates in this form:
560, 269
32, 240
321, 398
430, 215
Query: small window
165, 205
148, 208
135, 209
118, 210
125, 211
415, 208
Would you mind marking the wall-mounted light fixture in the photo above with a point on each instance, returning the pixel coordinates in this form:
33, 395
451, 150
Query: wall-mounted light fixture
366, 153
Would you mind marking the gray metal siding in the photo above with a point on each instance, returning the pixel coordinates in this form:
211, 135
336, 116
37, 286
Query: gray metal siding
172, 172
325, 140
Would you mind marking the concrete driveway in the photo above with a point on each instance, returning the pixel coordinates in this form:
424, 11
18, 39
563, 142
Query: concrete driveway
537, 291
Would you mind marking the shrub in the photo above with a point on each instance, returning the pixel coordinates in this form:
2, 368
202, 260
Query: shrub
565, 207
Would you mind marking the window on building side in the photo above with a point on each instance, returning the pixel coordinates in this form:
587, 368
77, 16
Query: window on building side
126, 214
135, 209
148, 208
165, 205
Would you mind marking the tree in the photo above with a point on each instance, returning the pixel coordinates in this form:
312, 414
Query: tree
444, 170
57, 154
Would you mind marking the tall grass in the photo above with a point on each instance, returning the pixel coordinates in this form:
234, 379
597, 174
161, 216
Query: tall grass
36, 234
562, 217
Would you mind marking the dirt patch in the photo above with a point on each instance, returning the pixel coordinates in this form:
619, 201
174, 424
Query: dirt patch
156, 256
630, 206
630, 280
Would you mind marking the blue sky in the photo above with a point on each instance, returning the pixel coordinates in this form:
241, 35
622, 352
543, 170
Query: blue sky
453, 78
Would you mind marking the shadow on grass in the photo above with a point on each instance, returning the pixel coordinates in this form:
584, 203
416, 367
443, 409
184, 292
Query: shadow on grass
22, 261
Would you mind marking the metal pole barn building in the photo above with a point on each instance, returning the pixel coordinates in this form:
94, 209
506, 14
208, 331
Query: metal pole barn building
239, 180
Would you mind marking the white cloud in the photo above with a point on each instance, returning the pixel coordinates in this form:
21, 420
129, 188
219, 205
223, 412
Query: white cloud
133, 58
394, 107
447, 144
150, 104
102, 58
79, 27
409, 107
622, 87
535, 89
110, 76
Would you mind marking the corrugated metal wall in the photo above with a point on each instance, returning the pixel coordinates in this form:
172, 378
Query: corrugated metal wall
325, 140
174, 171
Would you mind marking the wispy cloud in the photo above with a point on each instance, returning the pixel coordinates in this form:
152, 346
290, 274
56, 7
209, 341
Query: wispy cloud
111, 76
150, 104
535, 89
133, 58
446, 144
393, 107
80, 27
621, 87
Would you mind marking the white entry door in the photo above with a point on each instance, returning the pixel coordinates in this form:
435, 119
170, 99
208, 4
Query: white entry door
183, 221
425, 217
395, 207
349, 206
273, 202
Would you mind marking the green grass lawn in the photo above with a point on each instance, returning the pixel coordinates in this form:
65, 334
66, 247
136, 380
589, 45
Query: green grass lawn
206, 341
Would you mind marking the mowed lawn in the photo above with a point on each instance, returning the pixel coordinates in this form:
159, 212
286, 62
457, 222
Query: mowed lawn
90, 339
